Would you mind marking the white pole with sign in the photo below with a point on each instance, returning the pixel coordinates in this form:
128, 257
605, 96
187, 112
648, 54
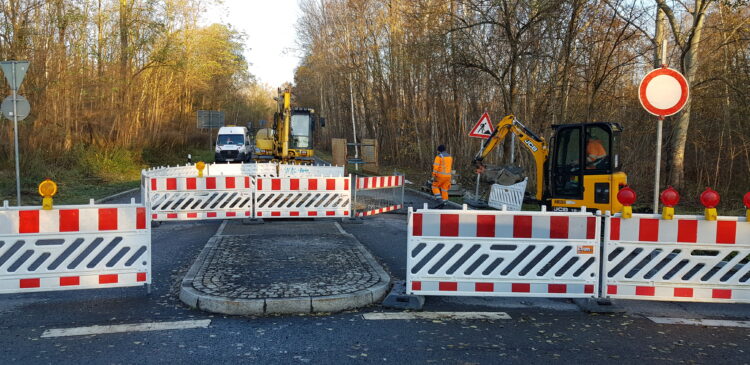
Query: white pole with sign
662, 92
16, 108
483, 129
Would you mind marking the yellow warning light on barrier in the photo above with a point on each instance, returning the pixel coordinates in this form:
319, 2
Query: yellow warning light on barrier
47, 189
200, 166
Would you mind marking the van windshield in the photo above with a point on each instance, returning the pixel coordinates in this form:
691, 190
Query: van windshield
224, 139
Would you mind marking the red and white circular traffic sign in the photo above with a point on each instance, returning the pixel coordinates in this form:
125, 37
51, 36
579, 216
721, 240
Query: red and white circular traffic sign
663, 92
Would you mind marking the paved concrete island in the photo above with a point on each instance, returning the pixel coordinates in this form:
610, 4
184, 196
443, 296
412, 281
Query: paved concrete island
283, 267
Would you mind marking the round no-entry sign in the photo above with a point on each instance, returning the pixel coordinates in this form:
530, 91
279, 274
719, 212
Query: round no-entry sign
663, 92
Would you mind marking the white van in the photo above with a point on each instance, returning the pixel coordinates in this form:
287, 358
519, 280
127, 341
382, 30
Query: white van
233, 144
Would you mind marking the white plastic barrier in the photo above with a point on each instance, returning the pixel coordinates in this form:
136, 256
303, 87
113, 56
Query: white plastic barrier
302, 197
489, 253
186, 170
378, 194
260, 170
310, 171
510, 196
214, 169
74, 247
213, 197
684, 259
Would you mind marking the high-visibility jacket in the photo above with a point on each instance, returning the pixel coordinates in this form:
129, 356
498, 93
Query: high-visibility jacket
595, 151
443, 165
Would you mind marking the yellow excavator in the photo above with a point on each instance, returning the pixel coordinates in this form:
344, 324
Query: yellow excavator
584, 169
290, 138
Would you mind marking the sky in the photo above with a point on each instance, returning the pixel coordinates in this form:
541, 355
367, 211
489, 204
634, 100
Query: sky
270, 42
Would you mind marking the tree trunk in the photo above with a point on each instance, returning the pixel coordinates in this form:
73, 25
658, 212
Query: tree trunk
688, 44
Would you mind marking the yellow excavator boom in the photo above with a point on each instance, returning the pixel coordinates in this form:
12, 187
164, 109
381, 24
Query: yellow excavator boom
533, 143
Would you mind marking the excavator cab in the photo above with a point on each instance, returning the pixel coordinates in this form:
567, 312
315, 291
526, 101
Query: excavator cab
585, 167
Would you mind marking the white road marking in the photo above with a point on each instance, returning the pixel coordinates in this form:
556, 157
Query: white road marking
220, 231
701, 322
120, 328
341, 229
437, 315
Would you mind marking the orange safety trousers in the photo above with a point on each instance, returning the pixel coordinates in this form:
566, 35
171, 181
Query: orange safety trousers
440, 187
441, 174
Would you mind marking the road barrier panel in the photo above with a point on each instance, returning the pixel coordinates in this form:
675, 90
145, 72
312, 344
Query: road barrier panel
214, 169
211, 197
302, 197
510, 196
287, 170
503, 253
687, 258
378, 194
74, 247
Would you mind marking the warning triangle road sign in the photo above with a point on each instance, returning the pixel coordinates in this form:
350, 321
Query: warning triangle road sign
483, 128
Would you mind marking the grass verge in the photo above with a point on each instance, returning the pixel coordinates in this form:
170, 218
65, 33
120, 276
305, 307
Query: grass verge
86, 173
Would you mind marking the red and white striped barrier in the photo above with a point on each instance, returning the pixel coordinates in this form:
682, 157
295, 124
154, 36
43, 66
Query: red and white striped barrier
379, 182
312, 184
378, 211
682, 293
490, 253
74, 247
69, 282
211, 197
200, 183
302, 197
477, 224
201, 215
479, 288
74, 219
681, 229
378, 194
684, 259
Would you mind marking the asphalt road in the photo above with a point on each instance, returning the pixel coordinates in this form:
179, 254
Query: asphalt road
538, 331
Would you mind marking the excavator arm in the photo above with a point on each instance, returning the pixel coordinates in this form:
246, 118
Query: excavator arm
281, 123
535, 144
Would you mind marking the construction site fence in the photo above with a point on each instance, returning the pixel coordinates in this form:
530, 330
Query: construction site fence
246, 169
502, 253
257, 191
378, 194
74, 247
687, 258
578, 255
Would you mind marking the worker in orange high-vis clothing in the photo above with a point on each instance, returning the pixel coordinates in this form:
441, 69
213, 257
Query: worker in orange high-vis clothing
595, 153
441, 175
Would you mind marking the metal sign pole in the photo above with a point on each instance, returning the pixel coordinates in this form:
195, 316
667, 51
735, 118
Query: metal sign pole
658, 140
15, 138
658, 164
476, 189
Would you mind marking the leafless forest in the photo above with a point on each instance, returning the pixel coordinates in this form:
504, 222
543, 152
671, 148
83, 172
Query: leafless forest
108, 76
419, 73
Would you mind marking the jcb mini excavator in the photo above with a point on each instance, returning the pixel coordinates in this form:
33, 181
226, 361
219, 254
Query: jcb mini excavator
584, 169
290, 139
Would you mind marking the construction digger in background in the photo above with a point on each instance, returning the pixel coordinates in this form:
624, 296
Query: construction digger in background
583, 170
290, 138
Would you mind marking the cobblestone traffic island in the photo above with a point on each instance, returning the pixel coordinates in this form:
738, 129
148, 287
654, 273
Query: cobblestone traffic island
283, 267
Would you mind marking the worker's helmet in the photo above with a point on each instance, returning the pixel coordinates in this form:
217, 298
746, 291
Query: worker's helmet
441, 148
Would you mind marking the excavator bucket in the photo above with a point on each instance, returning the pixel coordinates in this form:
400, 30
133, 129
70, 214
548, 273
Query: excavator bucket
494, 179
